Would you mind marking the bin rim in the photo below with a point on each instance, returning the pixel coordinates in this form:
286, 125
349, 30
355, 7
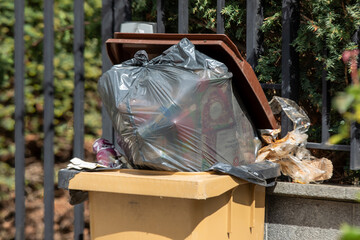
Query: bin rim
189, 185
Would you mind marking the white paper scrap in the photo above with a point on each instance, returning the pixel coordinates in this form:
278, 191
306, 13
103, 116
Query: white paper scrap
79, 164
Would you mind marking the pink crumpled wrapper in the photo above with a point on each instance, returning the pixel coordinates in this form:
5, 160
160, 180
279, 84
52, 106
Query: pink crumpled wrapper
106, 153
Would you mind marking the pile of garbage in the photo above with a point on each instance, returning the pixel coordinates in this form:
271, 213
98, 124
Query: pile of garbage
178, 112
290, 151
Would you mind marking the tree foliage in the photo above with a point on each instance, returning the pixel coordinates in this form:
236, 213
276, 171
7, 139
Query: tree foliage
348, 102
326, 30
6, 72
63, 74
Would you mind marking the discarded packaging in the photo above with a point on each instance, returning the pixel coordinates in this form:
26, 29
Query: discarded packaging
78, 164
290, 152
269, 135
106, 153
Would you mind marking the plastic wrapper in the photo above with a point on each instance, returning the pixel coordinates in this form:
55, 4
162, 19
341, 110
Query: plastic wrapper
290, 152
296, 114
106, 153
177, 112
269, 135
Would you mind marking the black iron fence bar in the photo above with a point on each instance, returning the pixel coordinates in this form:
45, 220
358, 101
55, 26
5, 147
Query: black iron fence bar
19, 121
107, 19
183, 16
79, 103
220, 28
254, 19
48, 119
271, 86
113, 13
355, 127
106, 32
160, 16
122, 13
324, 146
355, 147
289, 60
325, 108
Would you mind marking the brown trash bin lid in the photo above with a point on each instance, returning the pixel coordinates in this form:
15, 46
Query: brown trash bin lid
217, 46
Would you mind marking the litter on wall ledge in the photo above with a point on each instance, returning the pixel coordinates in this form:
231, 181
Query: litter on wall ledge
295, 160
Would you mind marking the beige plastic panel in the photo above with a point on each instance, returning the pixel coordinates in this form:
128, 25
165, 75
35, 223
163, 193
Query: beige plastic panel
194, 185
232, 215
139, 204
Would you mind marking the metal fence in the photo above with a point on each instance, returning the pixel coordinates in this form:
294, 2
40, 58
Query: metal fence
113, 14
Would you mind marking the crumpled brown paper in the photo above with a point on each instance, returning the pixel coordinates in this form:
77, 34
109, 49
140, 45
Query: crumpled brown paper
290, 152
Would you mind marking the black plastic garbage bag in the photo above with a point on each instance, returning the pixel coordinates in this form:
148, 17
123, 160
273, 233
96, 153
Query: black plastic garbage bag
177, 112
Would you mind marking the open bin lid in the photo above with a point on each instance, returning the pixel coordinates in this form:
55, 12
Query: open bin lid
217, 46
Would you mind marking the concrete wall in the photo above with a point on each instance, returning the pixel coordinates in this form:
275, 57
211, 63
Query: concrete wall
309, 211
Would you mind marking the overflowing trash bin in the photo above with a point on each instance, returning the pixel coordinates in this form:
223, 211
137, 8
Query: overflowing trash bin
186, 109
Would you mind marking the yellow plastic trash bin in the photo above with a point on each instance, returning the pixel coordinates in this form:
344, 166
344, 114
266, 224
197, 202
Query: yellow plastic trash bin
141, 204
